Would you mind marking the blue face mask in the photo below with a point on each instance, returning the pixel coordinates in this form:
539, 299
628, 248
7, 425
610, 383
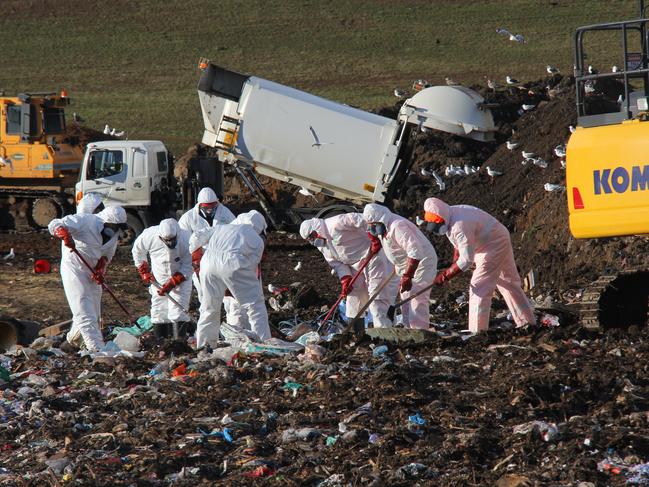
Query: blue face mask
436, 228
376, 229
318, 242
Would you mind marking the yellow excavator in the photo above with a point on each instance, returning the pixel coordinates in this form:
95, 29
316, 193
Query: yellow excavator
607, 162
38, 166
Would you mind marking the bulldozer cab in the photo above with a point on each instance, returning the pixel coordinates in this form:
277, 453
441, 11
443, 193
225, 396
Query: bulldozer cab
32, 128
607, 163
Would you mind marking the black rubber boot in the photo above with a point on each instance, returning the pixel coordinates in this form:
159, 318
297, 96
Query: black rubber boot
161, 330
185, 329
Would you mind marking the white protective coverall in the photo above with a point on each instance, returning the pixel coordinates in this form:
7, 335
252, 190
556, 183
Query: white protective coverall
165, 262
346, 247
403, 240
192, 221
230, 262
89, 203
82, 292
483, 240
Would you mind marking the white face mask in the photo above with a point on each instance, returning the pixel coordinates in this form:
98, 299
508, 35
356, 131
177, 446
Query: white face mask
437, 228
318, 242
376, 229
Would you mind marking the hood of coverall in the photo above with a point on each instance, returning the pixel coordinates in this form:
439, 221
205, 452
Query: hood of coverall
113, 214
89, 203
376, 213
207, 195
252, 218
439, 208
168, 228
314, 224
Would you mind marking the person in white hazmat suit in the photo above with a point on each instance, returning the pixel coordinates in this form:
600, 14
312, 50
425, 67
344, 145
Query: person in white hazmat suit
167, 247
90, 203
413, 256
231, 261
95, 238
343, 241
208, 212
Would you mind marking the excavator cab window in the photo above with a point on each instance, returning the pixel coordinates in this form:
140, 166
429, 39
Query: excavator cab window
53, 121
105, 163
13, 119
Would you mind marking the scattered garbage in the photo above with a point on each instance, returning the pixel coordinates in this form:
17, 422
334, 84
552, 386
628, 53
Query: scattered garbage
546, 431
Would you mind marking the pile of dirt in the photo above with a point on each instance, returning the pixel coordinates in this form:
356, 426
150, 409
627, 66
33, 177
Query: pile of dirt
76, 134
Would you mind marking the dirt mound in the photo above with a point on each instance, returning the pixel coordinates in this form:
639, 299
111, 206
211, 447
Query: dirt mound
76, 134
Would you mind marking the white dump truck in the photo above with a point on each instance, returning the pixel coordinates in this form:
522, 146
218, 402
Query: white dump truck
327, 147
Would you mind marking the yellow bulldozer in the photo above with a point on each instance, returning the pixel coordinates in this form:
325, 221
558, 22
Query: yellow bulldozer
607, 160
38, 166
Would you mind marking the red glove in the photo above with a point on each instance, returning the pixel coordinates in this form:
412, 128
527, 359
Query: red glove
173, 281
64, 234
197, 255
406, 280
145, 272
346, 282
447, 274
100, 270
375, 245
456, 255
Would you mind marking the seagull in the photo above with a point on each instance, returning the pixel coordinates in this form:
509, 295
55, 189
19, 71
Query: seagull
512, 145
107, 129
589, 87
615, 69
511, 81
10, 255
560, 151
563, 164
440, 182
316, 140
419, 220
592, 70
572, 129
526, 160
512, 37
527, 108
77, 118
425, 172
451, 82
551, 69
470, 169
540, 162
305, 192
399, 93
553, 187
118, 134
492, 84
298, 266
528, 155
493, 173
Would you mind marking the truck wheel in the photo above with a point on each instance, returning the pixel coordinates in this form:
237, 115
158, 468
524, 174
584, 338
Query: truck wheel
43, 211
134, 228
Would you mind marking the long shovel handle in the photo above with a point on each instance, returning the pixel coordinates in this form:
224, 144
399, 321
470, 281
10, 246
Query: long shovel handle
157, 285
392, 308
104, 285
342, 296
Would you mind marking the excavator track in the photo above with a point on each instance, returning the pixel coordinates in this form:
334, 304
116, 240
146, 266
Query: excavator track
617, 300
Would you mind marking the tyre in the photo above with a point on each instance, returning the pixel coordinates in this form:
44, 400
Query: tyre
134, 229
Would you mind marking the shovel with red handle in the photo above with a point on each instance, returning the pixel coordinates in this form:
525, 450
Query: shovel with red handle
342, 296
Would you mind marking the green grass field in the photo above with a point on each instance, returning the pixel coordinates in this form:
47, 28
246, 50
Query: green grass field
133, 64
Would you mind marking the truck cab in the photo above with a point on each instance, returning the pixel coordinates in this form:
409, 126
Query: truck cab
134, 174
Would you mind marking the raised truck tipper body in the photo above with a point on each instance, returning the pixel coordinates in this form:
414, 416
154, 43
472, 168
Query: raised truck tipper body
324, 146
